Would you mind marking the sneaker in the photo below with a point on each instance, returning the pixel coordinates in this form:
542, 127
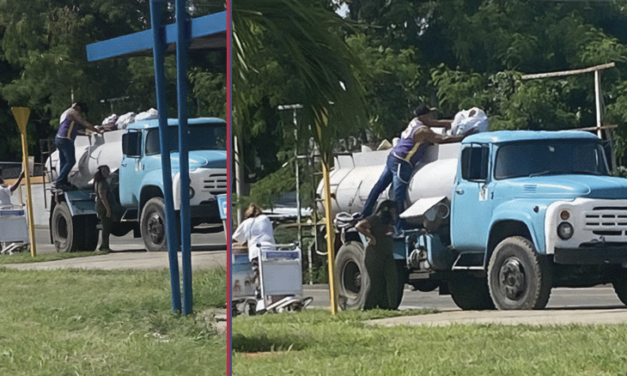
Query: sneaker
65, 187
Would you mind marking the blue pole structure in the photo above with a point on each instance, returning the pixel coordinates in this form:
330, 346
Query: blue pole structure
182, 25
170, 218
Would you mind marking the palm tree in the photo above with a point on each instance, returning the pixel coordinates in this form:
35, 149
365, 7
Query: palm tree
318, 58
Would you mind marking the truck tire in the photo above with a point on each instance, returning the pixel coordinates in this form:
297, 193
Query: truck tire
351, 276
518, 277
620, 287
65, 231
470, 293
152, 224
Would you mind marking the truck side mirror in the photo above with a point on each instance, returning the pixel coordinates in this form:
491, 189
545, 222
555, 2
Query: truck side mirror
131, 144
475, 163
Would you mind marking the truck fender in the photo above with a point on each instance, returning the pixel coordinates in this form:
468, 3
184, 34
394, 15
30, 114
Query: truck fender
151, 186
508, 220
148, 192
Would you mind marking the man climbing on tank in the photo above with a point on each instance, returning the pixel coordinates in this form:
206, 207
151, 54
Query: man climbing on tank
400, 163
64, 141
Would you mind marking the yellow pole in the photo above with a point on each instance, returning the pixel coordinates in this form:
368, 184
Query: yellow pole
21, 115
330, 235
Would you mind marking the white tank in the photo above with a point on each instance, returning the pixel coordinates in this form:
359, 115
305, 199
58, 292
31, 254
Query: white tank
354, 176
91, 151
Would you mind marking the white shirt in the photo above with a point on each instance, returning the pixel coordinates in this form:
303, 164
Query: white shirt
255, 231
5, 196
69, 112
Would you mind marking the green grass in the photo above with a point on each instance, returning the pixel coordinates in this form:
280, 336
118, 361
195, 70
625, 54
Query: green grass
26, 257
78, 322
316, 343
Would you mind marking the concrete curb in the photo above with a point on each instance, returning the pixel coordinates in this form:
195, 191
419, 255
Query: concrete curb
544, 317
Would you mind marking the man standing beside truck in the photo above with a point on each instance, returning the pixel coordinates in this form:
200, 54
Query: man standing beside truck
64, 141
401, 161
6, 191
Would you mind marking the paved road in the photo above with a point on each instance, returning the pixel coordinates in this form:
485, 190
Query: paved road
596, 305
561, 298
200, 242
209, 250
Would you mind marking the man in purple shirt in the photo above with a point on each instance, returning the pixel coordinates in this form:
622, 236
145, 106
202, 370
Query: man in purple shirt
64, 141
400, 163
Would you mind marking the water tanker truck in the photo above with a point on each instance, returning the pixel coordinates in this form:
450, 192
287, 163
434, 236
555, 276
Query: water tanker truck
497, 220
134, 157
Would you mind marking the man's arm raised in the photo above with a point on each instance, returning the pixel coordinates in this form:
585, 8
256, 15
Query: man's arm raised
426, 134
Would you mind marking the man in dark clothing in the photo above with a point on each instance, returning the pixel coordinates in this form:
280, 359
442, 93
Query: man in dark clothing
382, 291
64, 141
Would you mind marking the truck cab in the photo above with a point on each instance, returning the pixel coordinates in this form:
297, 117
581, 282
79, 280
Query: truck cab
526, 211
141, 179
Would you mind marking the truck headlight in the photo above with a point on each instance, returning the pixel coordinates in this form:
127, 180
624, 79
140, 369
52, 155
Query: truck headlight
565, 230
191, 192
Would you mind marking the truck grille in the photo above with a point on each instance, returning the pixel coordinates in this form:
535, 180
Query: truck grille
215, 184
607, 220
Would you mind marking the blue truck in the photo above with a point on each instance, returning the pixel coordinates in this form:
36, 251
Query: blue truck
497, 220
134, 157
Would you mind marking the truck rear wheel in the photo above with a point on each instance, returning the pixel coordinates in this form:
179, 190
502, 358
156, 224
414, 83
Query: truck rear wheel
470, 293
351, 276
153, 227
620, 287
64, 232
518, 277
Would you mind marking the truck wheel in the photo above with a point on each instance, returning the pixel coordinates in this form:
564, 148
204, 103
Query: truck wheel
65, 235
470, 293
351, 276
519, 278
153, 227
620, 287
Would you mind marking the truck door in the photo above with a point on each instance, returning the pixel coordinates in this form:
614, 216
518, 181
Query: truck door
129, 175
472, 199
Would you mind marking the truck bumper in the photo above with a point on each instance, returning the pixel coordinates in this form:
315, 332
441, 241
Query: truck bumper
591, 255
206, 210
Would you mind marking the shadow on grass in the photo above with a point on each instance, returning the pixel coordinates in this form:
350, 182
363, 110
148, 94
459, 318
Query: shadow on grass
261, 343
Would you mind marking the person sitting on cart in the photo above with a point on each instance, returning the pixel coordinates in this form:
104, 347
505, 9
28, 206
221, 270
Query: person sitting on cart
7, 190
255, 230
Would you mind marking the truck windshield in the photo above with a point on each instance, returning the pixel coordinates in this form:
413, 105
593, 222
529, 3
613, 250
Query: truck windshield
549, 157
201, 137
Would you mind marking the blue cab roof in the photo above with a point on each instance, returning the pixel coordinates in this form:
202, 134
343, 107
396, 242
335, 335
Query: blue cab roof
154, 123
513, 136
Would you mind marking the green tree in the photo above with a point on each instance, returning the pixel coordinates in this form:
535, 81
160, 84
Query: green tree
44, 64
292, 52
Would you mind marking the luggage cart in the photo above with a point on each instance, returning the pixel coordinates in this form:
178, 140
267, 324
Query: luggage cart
13, 229
280, 285
243, 286
281, 279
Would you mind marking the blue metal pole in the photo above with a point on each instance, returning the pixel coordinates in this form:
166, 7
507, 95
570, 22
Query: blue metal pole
182, 25
170, 218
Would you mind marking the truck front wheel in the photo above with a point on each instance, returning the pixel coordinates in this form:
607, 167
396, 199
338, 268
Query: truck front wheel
153, 228
470, 293
620, 287
518, 277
